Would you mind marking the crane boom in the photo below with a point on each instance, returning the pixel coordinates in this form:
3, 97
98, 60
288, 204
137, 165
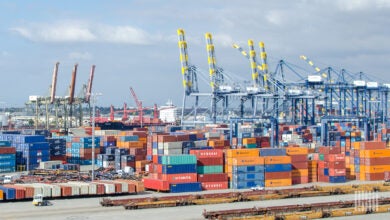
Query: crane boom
263, 56
252, 59
212, 62
54, 83
245, 54
187, 80
72, 85
138, 103
311, 63
89, 88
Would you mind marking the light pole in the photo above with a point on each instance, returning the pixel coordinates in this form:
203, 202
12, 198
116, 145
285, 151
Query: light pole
94, 100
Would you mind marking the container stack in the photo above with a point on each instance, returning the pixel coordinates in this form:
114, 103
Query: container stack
57, 148
374, 160
210, 169
79, 149
174, 173
30, 150
121, 158
7, 157
313, 171
331, 165
299, 164
245, 168
107, 159
277, 167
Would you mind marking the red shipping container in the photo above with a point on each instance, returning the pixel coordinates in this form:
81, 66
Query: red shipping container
323, 179
155, 159
372, 145
7, 150
207, 153
336, 165
179, 178
322, 164
321, 171
299, 165
166, 138
374, 176
216, 177
299, 179
156, 184
337, 172
299, 158
214, 185
210, 161
277, 175
336, 157
66, 191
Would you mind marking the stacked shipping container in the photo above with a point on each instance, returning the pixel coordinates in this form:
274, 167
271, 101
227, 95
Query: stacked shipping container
299, 164
7, 157
79, 149
245, 168
277, 167
210, 169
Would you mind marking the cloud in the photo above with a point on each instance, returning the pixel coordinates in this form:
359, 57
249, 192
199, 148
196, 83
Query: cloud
56, 32
362, 5
80, 56
74, 31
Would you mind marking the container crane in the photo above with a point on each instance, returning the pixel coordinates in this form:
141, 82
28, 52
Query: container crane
139, 105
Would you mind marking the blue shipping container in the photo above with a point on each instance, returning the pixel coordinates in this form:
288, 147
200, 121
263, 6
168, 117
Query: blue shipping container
337, 179
277, 167
246, 169
185, 187
247, 184
272, 152
248, 176
9, 192
176, 169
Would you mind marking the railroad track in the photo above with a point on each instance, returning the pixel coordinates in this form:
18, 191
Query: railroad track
306, 211
230, 197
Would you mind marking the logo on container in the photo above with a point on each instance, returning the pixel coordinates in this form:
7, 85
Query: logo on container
366, 201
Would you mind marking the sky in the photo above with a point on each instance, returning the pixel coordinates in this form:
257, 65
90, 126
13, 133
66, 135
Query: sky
134, 43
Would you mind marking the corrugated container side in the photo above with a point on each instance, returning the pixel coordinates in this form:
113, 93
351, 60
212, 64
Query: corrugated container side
214, 185
185, 187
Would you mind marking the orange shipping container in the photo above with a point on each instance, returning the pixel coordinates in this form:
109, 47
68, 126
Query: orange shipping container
375, 153
296, 150
300, 172
242, 152
355, 145
278, 182
245, 161
277, 160
374, 169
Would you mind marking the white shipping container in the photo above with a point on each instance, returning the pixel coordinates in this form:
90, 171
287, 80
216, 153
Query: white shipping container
46, 189
109, 188
173, 152
84, 187
200, 143
55, 190
176, 145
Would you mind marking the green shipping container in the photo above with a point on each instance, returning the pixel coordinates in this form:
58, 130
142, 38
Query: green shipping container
178, 159
209, 169
251, 146
5, 144
322, 157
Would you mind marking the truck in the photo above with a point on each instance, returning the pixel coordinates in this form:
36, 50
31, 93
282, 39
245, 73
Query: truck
38, 200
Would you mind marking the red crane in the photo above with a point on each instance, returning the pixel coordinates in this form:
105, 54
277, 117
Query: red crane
139, 105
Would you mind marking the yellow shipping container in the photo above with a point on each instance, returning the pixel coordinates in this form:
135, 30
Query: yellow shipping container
278, 182
242, 152
300, 172
374, 169
277, 160
355, 145
1, 195
296, 150
249, 141
245, 161
375, 153
347, 161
